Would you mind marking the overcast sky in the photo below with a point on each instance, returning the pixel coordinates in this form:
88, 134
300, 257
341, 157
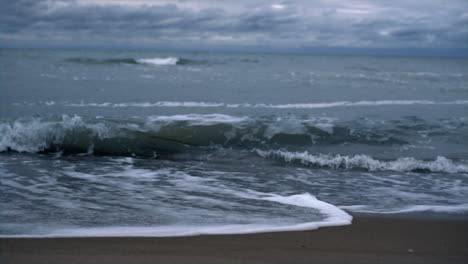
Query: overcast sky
239, 25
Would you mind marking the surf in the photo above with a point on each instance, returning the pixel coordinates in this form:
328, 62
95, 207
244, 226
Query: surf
156, 61
195, 104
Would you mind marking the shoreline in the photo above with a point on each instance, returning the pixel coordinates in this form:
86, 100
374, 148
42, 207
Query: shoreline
366, 240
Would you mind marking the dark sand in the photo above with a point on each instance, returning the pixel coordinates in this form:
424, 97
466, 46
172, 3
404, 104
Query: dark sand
367, 240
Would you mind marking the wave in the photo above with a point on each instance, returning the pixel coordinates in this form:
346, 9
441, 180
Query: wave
197, 119
176, 133
73, 134
191, 104
143, 61
159, 61
167, 135
408, 164
366, 103
333, 216
456, 208
333, 213
102, 61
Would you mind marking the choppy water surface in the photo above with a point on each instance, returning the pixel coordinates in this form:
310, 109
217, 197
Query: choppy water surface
162, 144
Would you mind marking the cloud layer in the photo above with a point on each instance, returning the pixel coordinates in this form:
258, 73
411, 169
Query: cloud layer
291, 25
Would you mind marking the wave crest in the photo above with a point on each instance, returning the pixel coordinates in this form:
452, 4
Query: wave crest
143, 61
192, 104
407, 164
170, 133
180, 133
159, 61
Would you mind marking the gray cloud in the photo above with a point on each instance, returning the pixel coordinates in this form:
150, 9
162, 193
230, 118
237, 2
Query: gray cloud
290, 24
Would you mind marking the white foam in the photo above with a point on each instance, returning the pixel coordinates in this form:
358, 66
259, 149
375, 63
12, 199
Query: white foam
359, 103
199, 119
457, 208
159, 61
82, 104
285, 125
129, 180
145, 104
434, 208
166, 104
308, 105
440, 164
334, 217
271, 106
37, 134
168, 231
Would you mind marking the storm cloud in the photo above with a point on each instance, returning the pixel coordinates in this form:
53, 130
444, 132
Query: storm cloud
293, 25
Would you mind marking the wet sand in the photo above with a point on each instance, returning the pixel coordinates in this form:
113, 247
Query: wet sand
367, 240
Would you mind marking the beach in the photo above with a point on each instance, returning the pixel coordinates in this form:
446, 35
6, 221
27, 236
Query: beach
367, 240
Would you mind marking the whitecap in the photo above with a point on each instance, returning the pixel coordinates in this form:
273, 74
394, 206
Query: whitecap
199, 119
406, 164
159, 61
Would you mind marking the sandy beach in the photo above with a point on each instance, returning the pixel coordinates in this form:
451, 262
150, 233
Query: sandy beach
367, 240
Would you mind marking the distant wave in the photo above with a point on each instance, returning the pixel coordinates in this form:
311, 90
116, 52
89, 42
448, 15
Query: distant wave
159, 61
363, 103
259, 105
102, 61
143, 61
440, 164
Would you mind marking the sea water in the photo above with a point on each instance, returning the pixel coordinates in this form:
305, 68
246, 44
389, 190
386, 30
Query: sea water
146, 143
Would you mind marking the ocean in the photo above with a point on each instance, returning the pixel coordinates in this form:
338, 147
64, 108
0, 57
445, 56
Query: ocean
145, 143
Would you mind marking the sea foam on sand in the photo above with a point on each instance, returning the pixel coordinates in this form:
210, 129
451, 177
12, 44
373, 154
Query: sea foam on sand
334, 216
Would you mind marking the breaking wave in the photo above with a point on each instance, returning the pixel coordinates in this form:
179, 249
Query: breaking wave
73, 134
159, 61
408, 164
144, 61
172, 134
166, 135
